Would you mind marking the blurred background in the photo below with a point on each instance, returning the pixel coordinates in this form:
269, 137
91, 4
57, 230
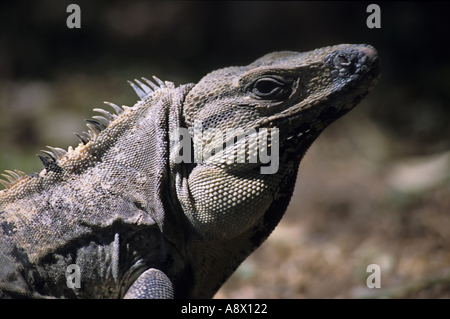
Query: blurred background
373, 189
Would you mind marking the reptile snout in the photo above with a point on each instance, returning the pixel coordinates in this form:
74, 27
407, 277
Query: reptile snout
353, 63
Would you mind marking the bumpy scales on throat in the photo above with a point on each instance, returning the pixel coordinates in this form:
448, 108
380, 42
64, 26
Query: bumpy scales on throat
166, 198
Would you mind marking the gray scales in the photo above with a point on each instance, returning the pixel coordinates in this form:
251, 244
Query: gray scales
140, 224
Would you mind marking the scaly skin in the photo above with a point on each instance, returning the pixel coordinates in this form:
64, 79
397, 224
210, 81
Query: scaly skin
140, 224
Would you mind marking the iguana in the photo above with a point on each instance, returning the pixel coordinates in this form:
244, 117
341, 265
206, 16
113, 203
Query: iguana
125, 215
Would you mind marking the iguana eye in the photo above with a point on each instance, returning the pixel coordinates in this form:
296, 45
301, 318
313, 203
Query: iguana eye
270, 88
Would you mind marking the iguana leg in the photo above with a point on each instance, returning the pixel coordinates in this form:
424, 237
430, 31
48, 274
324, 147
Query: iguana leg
152, 284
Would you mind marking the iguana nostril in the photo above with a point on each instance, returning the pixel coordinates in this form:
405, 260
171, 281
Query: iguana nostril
343, 60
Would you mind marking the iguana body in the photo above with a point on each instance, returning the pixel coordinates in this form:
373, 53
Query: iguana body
138, 223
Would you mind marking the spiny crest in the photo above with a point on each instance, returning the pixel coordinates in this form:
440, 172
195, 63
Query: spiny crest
13, 177
96, 125
99, 123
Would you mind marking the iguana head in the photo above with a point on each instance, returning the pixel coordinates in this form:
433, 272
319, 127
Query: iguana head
301, 93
